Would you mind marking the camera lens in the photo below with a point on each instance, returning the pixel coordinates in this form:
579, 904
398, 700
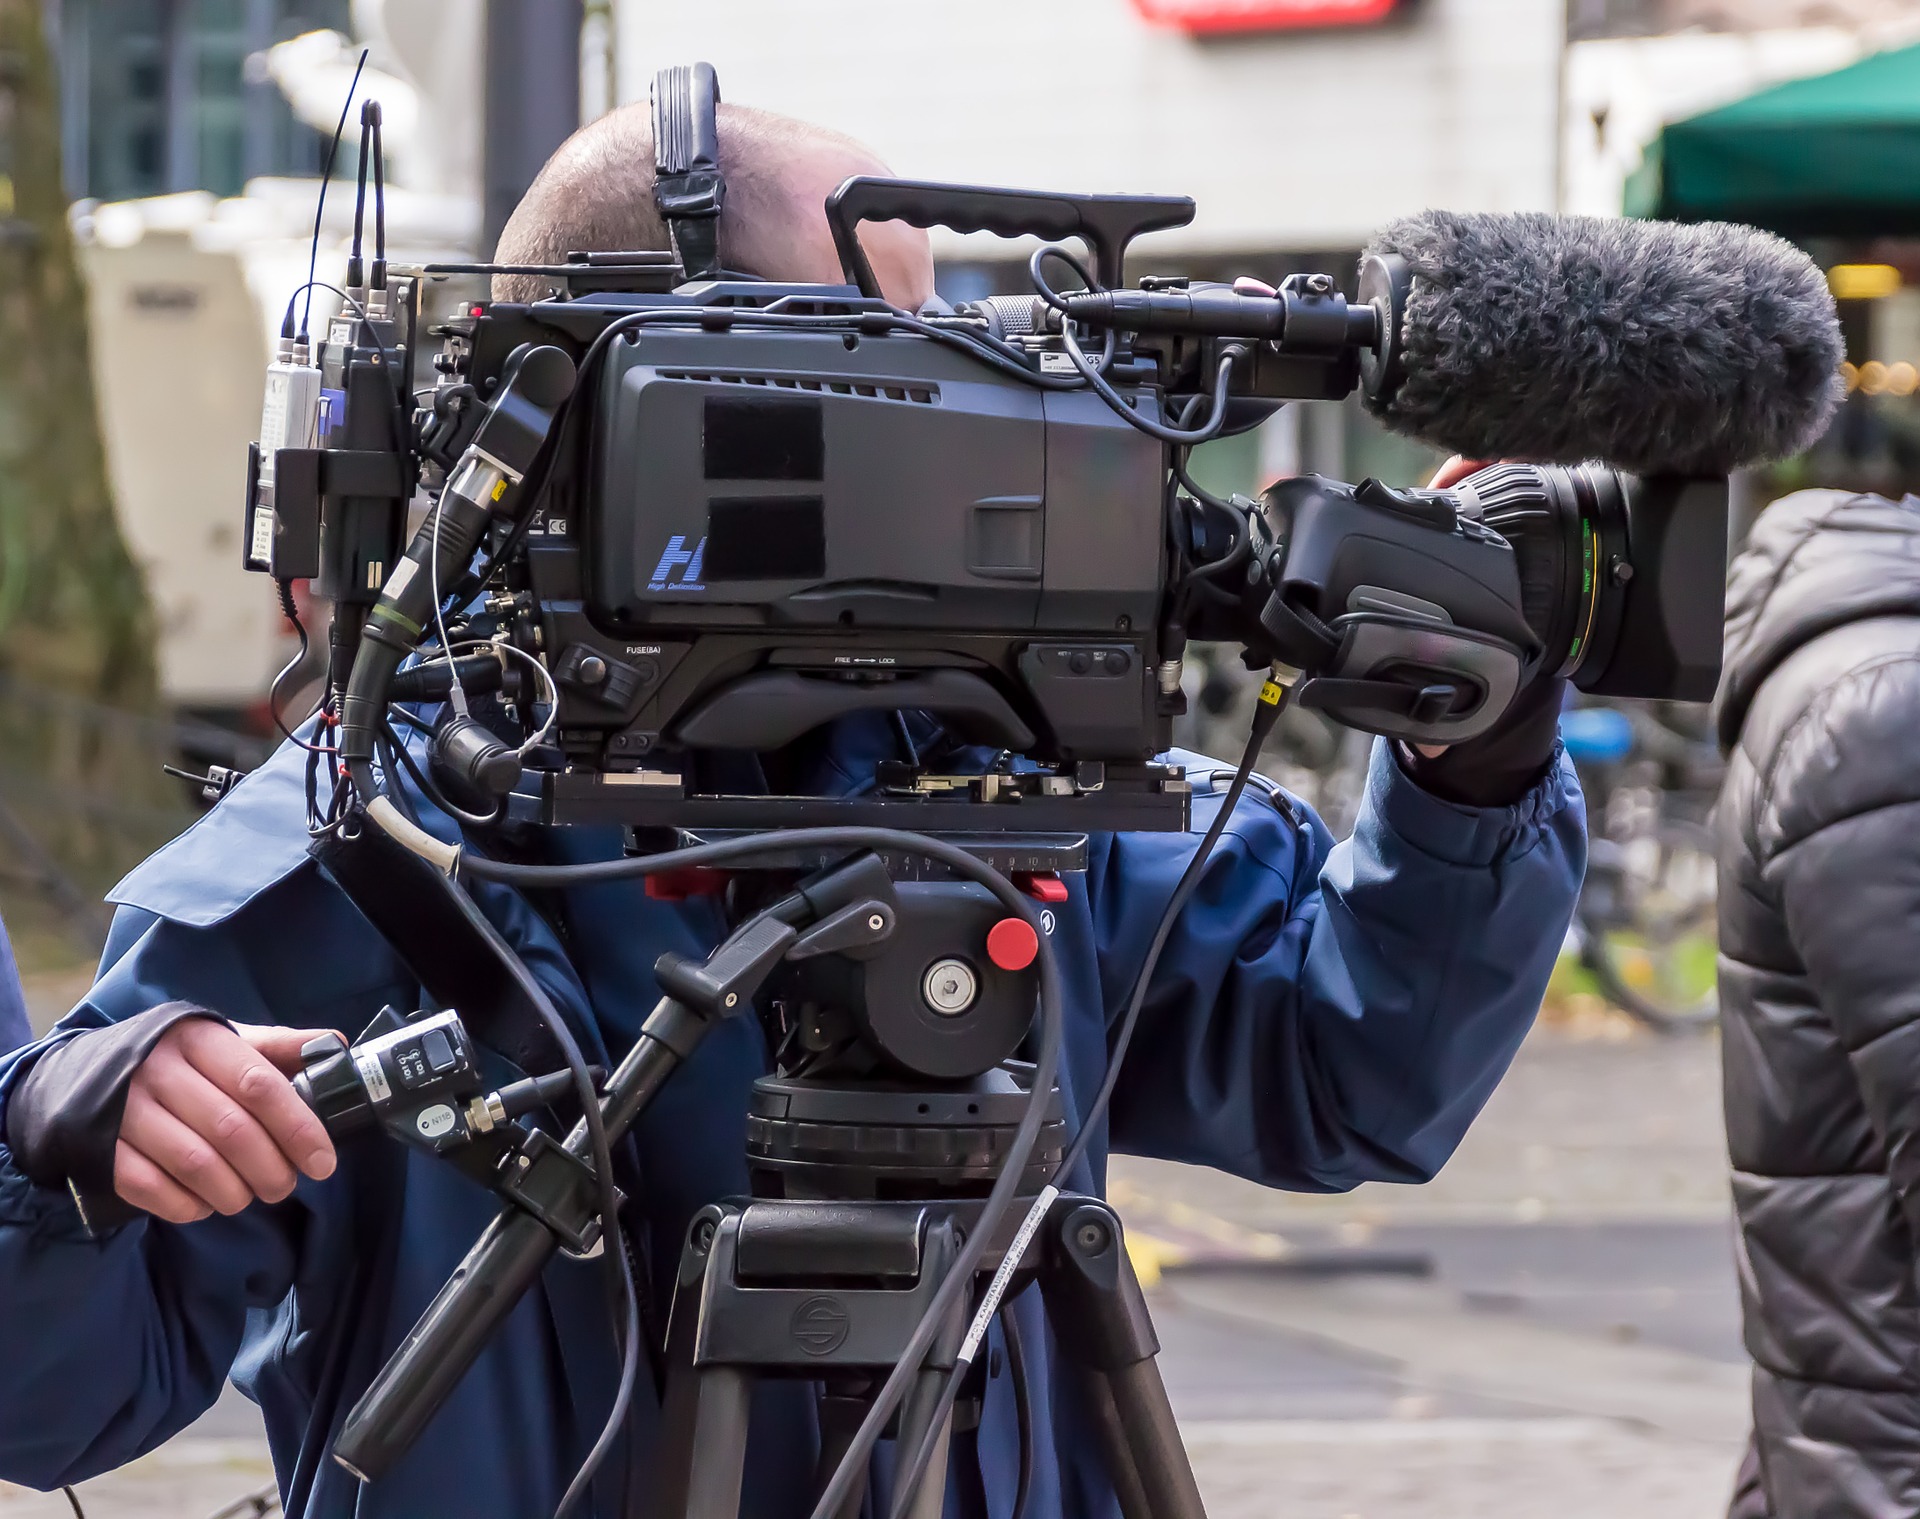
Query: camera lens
1568, 528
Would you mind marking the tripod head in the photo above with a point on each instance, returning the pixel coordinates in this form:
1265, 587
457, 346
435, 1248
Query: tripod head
895, 1073
894, 1050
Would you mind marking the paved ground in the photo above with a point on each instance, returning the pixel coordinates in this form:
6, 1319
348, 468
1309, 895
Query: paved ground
1549, 1329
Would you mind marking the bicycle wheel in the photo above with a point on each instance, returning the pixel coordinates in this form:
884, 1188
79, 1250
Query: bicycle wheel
1648, 927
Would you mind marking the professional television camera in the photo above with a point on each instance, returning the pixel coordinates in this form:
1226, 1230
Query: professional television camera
718, 514
672, 515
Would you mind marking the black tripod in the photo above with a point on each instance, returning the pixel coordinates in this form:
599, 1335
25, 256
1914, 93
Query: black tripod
829, 1289
897, 1007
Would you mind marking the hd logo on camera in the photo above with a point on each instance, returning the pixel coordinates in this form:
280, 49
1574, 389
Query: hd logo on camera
678, 557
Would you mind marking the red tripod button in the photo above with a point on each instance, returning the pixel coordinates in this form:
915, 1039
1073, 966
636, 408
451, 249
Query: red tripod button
1012, 944
1041, 885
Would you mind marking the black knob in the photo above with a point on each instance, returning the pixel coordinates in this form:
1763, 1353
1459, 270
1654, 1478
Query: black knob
330, 1085
592, 670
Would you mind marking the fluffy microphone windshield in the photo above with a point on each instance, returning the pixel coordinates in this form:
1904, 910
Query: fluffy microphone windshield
1656, 347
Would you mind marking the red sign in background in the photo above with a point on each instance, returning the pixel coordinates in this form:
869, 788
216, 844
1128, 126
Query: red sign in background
1261, 15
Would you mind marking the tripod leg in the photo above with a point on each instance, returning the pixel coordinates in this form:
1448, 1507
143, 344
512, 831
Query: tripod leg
1113, 1445
1101, 1320
717, 1460
841, 1412
704, 1422
922, 1405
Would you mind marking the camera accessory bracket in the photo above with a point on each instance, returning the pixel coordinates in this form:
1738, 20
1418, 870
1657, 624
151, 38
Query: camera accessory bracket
688, 189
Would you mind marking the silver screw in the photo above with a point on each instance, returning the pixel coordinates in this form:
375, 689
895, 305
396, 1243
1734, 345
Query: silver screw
950, 987
732, 998
876, 922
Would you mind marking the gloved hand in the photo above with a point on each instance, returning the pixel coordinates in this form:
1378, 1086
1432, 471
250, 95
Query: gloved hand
174, 1111
1507, 761
1504, 763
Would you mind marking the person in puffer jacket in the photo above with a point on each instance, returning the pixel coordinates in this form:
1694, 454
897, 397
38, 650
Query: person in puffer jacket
1819, 849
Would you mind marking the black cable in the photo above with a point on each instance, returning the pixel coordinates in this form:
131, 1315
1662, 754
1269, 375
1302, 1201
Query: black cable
1243, 527
948, 1297
292, 614
1095, 374
1022, 1407
613, 1240
1054, 299
1037, 263
433, 791
392, 750
906, 1483
73, 1501
905, 735
1273, 698
623, 1294
326, 175
1207, 430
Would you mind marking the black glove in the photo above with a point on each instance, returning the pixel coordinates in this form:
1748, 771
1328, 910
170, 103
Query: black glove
1503, 764
63, 1118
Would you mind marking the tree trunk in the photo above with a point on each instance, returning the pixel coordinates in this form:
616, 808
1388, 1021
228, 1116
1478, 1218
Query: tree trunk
80, 746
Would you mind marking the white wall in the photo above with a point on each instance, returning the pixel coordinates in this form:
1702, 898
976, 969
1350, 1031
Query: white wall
1301, 140
1636, 85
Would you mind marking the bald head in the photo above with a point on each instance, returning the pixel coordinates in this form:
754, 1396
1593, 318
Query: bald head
596, 195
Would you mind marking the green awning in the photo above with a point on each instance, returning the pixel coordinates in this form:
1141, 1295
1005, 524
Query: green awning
1836, 155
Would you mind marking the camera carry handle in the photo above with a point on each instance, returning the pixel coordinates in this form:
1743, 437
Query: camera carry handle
1105, 223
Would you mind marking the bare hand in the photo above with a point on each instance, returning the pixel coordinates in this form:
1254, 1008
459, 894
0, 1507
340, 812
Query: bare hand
212, 1122
1453, 472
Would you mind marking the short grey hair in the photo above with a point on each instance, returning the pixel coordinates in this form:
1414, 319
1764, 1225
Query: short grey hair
596, 195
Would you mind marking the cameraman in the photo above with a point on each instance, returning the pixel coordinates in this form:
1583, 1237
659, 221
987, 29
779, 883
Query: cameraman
1322, 1016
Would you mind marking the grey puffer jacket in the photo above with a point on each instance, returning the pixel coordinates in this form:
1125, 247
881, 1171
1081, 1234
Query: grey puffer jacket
1819, 847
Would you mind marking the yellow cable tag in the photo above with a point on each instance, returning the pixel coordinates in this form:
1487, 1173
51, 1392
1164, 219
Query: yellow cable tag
1272, 694
499, 489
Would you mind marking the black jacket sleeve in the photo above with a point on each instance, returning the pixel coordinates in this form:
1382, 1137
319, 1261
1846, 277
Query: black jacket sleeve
1838, 835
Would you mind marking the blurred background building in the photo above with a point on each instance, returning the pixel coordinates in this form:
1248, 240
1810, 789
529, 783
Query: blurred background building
194, 132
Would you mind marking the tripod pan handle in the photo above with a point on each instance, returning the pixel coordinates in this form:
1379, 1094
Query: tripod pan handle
442, 1347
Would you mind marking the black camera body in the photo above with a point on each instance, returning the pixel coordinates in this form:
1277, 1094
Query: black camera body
743, 509
769, 529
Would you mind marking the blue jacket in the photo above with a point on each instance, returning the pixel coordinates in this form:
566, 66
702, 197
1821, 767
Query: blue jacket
1322, 1016
13, 1003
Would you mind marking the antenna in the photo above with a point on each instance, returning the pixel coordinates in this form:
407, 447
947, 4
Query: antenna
378, 279
326, 176
356, 268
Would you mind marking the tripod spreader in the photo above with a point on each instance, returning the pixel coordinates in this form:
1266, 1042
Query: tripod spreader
552, 1201
831, 1290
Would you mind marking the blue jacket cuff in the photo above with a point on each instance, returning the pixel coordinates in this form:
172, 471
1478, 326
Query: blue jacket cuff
1473, 836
